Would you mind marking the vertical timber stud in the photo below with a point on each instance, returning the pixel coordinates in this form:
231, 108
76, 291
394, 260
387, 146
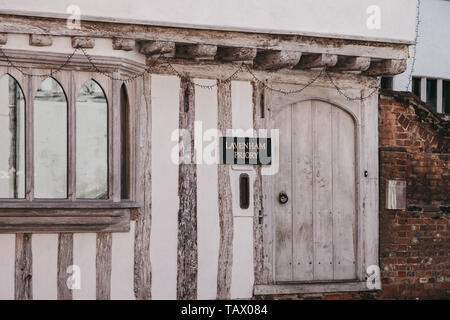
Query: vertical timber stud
103, 266
23, 284
187, 192
65, 259
142, 266
225, 200
267, 195
116, 147
258, 217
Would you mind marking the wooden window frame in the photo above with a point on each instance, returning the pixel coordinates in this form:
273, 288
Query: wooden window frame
72, 214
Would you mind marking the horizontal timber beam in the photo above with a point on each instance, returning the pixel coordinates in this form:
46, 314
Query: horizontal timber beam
261, 41
233, 54
40, 40
275, 60
387, 67
317, 60
150, 48
196, 51
83, 42
346, 63
3, 38
123, 44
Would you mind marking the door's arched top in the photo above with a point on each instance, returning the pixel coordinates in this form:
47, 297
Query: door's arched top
335, 104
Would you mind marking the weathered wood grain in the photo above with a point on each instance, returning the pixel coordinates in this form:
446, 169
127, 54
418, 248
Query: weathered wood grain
71, 220
29, 151
225, 200
123, 44
3, 38
258, 215
23, 284
142, 263
114, 167
389, 67
103, 266
283, 183
40, 40
302, 145
157, 47
275, 60
322, 191
187, 191
58, 27
268, 201
230, 54
344, 195
65, 259
83, 42
346, 63
196, 51
317, 60
72, 136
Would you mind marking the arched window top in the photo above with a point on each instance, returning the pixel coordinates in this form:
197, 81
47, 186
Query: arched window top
91, 91
50, 90
92, 142
50, 126
8, 77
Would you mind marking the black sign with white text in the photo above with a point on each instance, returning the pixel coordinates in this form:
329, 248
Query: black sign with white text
245, 150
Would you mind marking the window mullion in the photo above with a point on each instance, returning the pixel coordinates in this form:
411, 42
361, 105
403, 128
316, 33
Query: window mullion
29, 141
71, 186
114, 139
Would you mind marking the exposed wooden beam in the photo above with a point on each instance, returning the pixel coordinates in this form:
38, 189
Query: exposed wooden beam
389, 67
40, 40
65, 259
317, 60
187, 257
3, 38
123, 44
234, 54
58, 27
142, 263
225, 204
346, 63
196, 51
23, 279
83, 42
150, 48
103, 266
275, 60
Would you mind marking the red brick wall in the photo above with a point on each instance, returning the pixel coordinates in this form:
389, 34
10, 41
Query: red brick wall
414, 243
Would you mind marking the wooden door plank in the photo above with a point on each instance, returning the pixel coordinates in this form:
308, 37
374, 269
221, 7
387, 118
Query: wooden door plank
322, 192
302, 175
283, 212
344, 192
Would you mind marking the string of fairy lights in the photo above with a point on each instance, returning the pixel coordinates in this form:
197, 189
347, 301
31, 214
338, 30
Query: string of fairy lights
243, 67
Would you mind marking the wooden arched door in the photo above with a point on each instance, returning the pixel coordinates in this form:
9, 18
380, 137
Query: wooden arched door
315, 230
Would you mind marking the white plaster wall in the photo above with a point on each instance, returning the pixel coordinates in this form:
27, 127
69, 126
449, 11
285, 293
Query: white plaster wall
7, 254
122, 265
84, 256
343, 18
242, 277
208, 235
165, 201
433, 49
44, 249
